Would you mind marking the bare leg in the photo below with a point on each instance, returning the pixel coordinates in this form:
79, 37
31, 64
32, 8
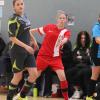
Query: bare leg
28, 84
13, 85
63, 83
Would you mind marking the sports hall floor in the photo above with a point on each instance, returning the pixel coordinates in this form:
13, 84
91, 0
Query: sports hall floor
3, 97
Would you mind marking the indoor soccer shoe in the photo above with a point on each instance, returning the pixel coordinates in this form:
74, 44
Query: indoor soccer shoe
18, 97
77, 94
90, 98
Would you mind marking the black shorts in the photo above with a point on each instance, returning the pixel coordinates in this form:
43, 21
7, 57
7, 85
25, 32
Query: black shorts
21, 60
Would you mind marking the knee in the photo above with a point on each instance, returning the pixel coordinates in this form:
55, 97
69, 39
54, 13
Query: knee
17, 77
33, 75
62, 77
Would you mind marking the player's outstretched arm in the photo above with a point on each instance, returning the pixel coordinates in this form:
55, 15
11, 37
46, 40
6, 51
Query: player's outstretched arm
35, 30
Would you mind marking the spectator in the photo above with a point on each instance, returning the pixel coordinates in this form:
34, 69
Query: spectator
81, 72
2, 45
5, 65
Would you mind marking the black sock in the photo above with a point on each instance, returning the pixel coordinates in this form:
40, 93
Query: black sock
98, 91
12, 91
91, 87
26, 88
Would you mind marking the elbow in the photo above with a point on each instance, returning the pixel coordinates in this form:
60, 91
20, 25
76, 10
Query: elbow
33, 30
98, 41
10, 39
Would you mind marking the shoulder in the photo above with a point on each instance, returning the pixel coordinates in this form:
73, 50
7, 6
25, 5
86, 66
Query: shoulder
13, 17
96, 29
97, 25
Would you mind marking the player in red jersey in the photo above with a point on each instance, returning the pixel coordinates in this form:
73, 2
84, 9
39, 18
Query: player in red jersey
49, 55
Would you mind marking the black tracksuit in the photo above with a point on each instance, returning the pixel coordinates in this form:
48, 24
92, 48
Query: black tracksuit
80, 73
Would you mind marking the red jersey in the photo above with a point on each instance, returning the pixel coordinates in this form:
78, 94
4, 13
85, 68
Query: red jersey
52, 40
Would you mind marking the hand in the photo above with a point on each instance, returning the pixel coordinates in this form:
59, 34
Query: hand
79, 57
29, 49
36, 47
63, 42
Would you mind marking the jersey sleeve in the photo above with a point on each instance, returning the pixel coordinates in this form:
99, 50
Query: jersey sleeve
96, 31
43, 30
12, 28
67, 34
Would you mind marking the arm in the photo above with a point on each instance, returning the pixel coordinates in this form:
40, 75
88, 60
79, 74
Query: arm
77, 58
64, 41
35, 30
21, 44
86, 57
66, 38
18, 42
97, 39
96, 33
34, 42
13, 28
40, 30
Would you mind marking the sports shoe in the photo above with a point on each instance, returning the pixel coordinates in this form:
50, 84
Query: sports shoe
90, 98
71, 99
77, 94
18, 97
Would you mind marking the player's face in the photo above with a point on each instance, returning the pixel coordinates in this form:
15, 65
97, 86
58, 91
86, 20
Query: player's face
19, 7
83, 39
99, 19
61, 19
